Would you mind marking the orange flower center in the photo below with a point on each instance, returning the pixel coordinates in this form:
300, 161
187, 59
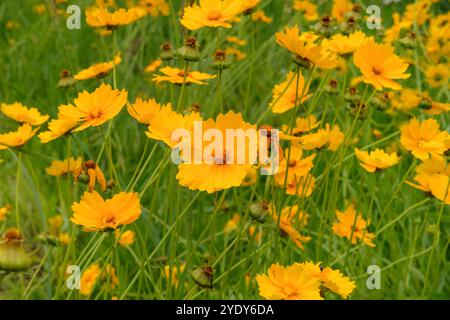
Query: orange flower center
376, 71
214, 15
220, 159
109, 221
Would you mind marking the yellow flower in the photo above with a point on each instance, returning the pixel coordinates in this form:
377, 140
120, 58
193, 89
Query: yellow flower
145, 111
18, 138
64, 238
58, 128
330, 279
346, 44
155, 7
301, 186
408, 99
424, 181
4, 211
211, 13
287, 94
98, 70
308, 9
93, 171
177, 76
305, 50
18, 112
152, 67
171, 274
376, 160
96, 214
101, 17
302, 125
423, 139
250, 178
96, 108
167, 121
89, 279
55, 223
288, 219
352, 226
288, 283
437, 75
39, 8
382, 70
60, 168
238, 54
126, 238
232, 223
335, 281
261, 16
218, 171
340, 8
297, 167
433, 166
248, 5
236, 40
333, 137
440, 187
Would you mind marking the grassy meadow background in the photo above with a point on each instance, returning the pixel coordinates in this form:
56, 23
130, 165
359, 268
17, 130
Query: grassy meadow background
179, 226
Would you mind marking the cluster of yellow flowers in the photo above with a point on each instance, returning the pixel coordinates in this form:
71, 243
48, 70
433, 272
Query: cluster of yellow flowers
304, 140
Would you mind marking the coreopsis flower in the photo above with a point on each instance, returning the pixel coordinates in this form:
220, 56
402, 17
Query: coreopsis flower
352, 226
64, 238
165, 122
345, 45
171, 273
125, 238
437, 75
177, 76
288, 219
261, 16
98, 70
435, 184
96, 214
433, 166
408, 99
18, 138
248, 5
211, 13
297, 166
340, 8
4, 212
376, 159
220, 169
287, 94
232, 223
55, 223
325, 136
238, 54
288, 283
433, 107
305, 50
89, 279
307, 8
58, 128
236, 40
145, 111
423, 139
101, 17
155, 7
96, 108
153, 66
382, 71
93, 173
18, 112
332, 280
61, 168
105, 3
109, 276
302, 125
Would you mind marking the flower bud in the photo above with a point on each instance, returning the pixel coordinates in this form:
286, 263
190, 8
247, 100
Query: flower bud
13, 256
220, 61
258, 210
324, 27
190, 51
409, 41
203, 276
332, 87
65, 79
83, 178
167, 52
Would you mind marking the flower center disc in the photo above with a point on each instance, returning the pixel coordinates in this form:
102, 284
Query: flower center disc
214, 15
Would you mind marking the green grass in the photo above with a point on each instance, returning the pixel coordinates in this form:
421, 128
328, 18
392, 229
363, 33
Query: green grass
181, 226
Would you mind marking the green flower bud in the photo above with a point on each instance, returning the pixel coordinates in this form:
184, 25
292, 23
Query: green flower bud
203, 276
13, 256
